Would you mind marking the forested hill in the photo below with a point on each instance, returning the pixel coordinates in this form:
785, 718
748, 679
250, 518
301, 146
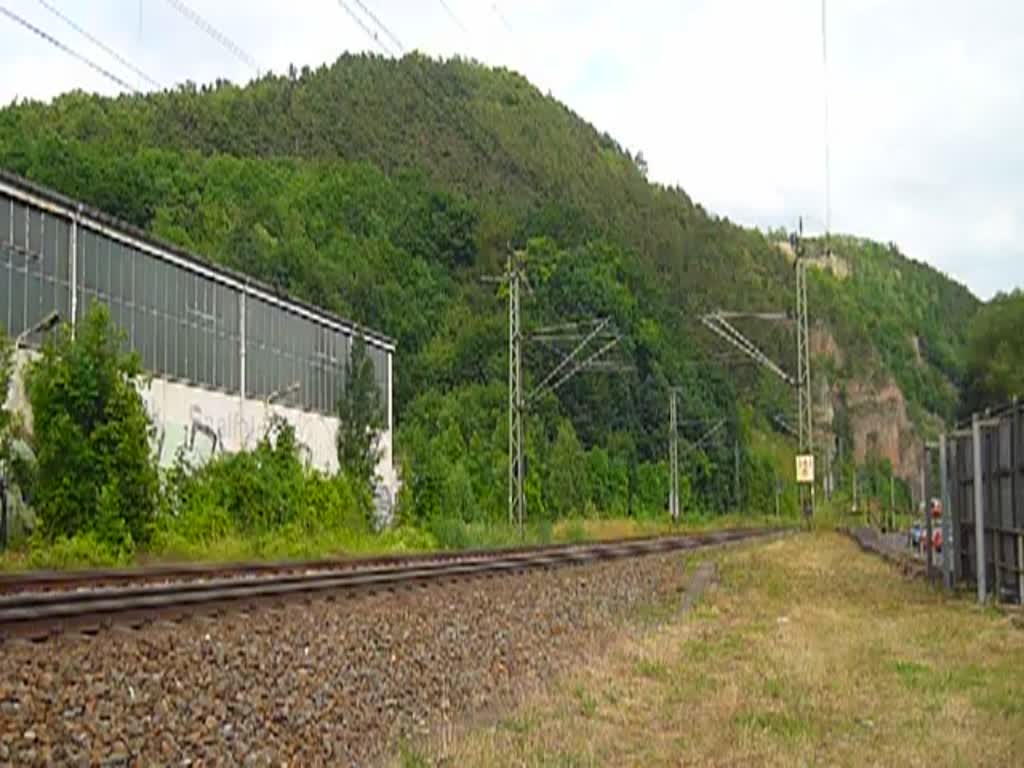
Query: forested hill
384, 189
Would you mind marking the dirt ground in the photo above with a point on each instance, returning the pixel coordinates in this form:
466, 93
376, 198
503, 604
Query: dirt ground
806, 652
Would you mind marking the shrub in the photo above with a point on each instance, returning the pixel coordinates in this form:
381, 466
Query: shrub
96, 473
265, 490
85, 550
6, 418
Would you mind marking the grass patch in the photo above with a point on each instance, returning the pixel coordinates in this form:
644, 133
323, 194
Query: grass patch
921, 677
409, 757
774, 724
652, 670
586, 701
298, 541
804, 637
520, 726
774, 688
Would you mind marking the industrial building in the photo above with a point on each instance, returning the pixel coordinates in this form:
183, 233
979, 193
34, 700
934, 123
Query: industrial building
225, 352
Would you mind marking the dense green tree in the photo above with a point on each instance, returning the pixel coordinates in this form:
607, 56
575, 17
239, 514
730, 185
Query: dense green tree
567, 490
361, 417
995, 352
6, 417
96, 472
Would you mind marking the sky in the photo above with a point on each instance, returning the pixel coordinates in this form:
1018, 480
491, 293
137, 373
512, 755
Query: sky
725, 98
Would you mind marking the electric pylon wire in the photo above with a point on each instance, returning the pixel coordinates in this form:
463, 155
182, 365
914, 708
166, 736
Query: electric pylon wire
226, 42
99, 43
67, 49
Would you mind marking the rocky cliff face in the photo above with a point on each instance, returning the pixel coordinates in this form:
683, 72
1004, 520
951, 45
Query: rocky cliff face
874, 415
880, 427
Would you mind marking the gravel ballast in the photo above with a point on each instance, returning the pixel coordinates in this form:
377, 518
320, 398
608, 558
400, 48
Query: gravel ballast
323, 682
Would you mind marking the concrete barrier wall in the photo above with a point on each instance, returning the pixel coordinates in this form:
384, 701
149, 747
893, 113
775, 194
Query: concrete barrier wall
201, 423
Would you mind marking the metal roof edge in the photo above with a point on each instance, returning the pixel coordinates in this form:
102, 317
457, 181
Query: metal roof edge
75, 207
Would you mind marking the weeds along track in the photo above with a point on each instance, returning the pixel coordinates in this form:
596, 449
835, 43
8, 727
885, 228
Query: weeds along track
37, 606
53, 581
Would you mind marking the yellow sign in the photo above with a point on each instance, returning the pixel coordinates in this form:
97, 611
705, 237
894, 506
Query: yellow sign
805, 469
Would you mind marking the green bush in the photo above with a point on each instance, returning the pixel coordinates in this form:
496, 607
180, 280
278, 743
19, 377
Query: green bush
96, 473
257, 493
6, 417
450, 533
84, 550
575, 532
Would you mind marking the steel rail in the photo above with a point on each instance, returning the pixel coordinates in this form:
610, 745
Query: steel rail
44, 580
43, 613
309, 580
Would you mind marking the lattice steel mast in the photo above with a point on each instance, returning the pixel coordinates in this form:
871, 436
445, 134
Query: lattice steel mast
584, 334
673, 450
805, 406
516, 408
803, 361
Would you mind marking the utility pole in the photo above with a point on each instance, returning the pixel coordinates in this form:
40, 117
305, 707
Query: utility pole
600, 331
5, 535
673, 451
516, 475
803, 378
892, 501
736, 471
855, 470
837, 468
719, 323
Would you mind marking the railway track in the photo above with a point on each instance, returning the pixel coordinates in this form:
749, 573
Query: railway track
54, 581
40, 607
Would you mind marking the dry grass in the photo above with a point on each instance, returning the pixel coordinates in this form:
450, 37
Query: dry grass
603, 529
606, 529
808, 653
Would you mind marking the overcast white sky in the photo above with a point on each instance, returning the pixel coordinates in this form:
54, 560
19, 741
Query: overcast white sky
724, 97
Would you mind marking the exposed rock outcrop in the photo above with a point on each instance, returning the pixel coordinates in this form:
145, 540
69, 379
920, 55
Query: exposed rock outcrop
874, 414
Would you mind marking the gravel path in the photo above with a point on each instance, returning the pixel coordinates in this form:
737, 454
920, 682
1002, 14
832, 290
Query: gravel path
331, 682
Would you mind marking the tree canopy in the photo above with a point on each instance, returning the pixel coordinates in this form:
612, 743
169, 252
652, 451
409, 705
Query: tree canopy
995, 353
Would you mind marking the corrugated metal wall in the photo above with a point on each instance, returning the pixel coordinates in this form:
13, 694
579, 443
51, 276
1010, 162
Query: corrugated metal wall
184, 322
1002, 478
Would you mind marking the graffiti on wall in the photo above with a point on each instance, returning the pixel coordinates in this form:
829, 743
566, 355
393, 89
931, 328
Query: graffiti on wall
197, 425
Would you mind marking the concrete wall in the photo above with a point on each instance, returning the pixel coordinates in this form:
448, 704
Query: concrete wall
202, 423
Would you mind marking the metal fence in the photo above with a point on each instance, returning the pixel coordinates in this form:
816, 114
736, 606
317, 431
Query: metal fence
985, 506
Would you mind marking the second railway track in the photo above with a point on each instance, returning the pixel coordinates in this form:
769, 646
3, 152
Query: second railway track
39, 615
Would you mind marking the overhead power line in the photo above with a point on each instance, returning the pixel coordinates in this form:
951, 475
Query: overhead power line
363, 25
383, 27
828, 170
99, 44
452, 16
67, 49
501, 17
226, 42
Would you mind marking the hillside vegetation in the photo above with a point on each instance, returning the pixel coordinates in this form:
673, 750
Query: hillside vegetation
995, 354
384, 190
